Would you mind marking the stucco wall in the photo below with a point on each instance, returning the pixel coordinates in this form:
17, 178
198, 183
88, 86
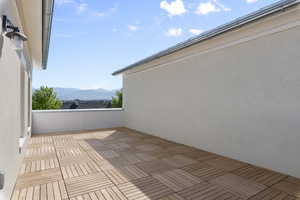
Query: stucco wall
76, 120
240, 101
12, 111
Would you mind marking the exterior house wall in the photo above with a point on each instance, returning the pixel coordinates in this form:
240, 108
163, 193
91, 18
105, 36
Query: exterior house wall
239, 99
13, 110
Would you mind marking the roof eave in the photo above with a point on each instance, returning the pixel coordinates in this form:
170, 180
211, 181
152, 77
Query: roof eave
273, 8
48, 6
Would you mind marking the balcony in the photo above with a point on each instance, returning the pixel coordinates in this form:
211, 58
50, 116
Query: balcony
123, 164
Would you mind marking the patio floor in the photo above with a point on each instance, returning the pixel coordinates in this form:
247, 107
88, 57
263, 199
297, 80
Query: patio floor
123, 164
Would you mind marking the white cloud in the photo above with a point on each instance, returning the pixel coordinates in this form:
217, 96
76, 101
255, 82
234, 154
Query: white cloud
210, 6
106, 13
174, 32
251, 1
82, 7
195, 31
173, 8
132, 27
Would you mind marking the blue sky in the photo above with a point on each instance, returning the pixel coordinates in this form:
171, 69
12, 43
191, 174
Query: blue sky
92, 38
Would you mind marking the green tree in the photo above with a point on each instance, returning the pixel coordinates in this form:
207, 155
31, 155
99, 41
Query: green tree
117, 102
45, 99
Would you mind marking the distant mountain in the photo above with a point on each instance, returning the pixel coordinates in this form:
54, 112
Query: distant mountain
90, 94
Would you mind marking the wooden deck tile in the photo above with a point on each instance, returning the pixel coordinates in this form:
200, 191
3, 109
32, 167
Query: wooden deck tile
127, 165
148, 147
69, 152
172, 197
108, 154
290, 186
146, 188
179, 149
38, 165
145, 156
179, 161
259, 175
207, 191
52, 191
85, 146
124, 174
41, 177
154, 166
244, 187
79, 169
204, 171
225, 163
85, 184
40, 151
177, 179
112, 193
118, 146
272, 194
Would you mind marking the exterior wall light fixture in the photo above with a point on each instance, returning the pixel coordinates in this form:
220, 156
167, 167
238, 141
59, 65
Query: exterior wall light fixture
13, 33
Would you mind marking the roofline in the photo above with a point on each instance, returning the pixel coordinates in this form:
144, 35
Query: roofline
263, 12
48, 6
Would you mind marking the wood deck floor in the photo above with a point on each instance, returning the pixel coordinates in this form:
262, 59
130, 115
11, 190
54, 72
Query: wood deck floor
126, 165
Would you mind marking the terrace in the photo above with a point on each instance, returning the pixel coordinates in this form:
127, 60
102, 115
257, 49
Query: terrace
218, 116
123, 164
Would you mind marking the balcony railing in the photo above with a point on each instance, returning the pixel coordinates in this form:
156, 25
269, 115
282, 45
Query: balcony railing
51, 121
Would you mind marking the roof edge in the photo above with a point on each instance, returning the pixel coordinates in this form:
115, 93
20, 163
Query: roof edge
48, 7
263, 12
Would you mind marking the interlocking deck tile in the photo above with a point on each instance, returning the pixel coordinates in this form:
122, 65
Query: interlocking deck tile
162, 154
154, 166
78, 172
148, 147
132, 158
259, 175
208, 191
118, 146
40, 140
40, 177
179, 149
94, 142
204, 171
124, 174
200, 155
158, 141
177, 179
179, 161
112, 193
272, 194
79, 169
69, 152
45, 149
145, 156
108, 154
225, 163
35, 165
85, 184
244, 187
52, 190
95, 156
172, 197
85, 146
145, 188
290, 186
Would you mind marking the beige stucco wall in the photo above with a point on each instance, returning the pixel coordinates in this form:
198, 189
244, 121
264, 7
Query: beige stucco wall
13, 105
240, 99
